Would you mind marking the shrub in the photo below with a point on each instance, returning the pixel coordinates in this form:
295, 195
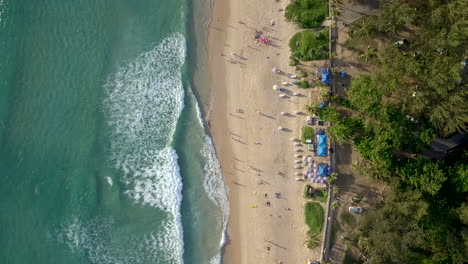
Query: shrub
310, 45
307, 133
301, 72
304, 84
307, 13
293, 61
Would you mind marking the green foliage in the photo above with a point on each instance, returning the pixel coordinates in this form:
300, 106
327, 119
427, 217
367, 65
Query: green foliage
335, 205
390, 231
304, 84
333, 178
312, 109
307, 133
310, 45
307, 13
423, 175
314, 217
348, 219
364, 95
293, 61
319, 195
346, 129
329, 114
312, 242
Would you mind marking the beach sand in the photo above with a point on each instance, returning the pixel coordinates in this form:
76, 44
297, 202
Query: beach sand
244, 109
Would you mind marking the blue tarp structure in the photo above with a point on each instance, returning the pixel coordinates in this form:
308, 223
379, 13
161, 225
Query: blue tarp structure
326, 78
322, 105
322, 145
321, 70
322, 170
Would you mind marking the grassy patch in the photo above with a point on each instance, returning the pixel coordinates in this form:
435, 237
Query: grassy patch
348, 218
321, 195
307, 13
314, 217
310, 45
307, 133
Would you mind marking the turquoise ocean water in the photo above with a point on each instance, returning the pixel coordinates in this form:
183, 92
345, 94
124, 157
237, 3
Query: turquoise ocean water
103, 154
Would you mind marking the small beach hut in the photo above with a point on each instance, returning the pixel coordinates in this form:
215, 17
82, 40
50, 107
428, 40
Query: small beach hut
326, 78
322, 145
322, 171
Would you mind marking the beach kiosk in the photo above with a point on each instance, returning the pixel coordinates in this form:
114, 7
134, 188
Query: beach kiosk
322, 145
326, 78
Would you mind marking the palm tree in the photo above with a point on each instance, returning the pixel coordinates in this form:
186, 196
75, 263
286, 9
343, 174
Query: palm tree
335, 12
364, 29
333, 178
336, 190
334, 205
312, 108
369, 54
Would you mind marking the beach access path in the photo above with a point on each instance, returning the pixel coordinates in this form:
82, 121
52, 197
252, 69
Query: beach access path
257, 160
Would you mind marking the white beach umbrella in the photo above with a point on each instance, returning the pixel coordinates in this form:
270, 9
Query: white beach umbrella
297, 144
297, 161
285, 83
298, 167
298, 150
298, 155
309, 159
275, 87
298, 173
275, 70
280, 128
295, 94
283, 113
282, 95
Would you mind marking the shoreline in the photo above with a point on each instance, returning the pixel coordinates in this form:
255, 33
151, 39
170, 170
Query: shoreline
244, 109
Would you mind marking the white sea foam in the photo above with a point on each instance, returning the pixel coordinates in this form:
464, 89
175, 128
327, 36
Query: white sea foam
95, 239
214, 182
216, 189
144, 101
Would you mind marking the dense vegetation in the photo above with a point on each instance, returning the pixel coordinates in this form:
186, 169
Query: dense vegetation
418, 92
309, 45
307, 13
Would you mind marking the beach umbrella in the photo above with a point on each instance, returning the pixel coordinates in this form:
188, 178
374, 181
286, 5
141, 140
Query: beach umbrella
298, 155
298, 174
275, 87
297, 112
297, 144
298, 150
298, 161
293, 139
285, 83
283, 113
275, 70
309, 159
295, 94
280, 128
282, 95
297, 167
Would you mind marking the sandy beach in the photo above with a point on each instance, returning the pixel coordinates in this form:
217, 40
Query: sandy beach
257, 159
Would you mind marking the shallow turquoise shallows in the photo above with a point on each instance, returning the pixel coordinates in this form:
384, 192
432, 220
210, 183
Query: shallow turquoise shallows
103, 155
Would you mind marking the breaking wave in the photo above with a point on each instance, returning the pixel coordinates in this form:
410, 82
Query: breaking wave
143, 102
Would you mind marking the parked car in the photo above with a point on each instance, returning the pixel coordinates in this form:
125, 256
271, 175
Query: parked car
356, 210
